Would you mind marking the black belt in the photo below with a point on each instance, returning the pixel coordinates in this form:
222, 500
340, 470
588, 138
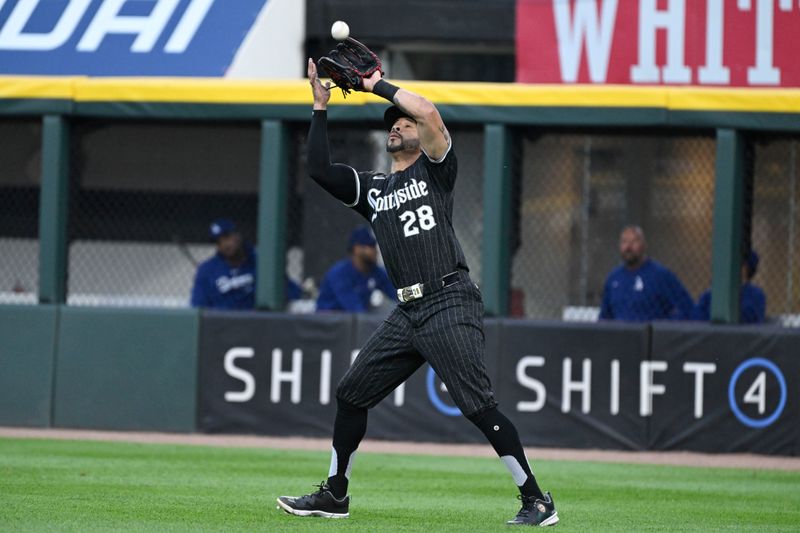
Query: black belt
418, 290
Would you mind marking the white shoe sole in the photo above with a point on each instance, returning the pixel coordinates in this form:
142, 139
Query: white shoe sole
298, 512
551, 521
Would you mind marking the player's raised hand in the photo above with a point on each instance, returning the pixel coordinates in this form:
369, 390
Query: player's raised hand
321, 92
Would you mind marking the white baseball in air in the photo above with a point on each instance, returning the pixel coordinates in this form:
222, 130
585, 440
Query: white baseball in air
340, 30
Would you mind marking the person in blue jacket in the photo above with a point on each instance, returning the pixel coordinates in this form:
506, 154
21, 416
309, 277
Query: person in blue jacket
642, 289
348, 285
752, 300
228, 279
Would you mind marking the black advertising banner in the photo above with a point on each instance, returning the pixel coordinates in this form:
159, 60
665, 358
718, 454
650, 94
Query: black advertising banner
421, 409
725, 389
573, 385
273, 374
676, 386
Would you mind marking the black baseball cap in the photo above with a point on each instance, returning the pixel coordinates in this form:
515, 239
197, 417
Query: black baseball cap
391, 115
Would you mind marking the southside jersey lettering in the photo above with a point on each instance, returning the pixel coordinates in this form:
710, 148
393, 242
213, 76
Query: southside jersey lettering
396, 199
411, 213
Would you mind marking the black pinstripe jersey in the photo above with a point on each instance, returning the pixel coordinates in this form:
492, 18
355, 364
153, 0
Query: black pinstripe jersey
411, 213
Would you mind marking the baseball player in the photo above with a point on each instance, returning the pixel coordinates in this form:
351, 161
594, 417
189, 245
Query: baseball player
439, 319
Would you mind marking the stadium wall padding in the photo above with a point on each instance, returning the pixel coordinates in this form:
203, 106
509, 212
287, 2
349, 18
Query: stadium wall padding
126, 369
658, 386
27, 347
501, 103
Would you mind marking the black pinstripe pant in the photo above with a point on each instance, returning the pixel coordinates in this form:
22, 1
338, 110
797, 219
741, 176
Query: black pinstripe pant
444, 329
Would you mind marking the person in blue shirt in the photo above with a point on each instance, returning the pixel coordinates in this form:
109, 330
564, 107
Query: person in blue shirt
641, 289
752, 300
228, 279
348, 285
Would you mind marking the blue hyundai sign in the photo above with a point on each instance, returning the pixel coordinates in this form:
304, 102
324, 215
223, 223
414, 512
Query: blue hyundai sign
123, 37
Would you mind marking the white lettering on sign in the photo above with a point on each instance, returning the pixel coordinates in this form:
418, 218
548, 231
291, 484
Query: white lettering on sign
584, 30
647, 387
530, 383
699, 370
672, 21
593, 30
146, 28
293, 376
239, 373
187, 27
764, 72
714, 71
757, 393
108, 20
584, 386
12, 36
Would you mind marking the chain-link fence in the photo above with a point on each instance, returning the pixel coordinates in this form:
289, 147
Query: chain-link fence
577, 191
142, 196
775, 225
20, 152
319, 225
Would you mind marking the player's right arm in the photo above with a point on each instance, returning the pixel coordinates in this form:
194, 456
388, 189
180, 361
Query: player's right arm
433, 135
339, 180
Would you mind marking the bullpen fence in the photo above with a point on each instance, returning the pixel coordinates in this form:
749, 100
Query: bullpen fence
578, 190
142, 197
547, 178
20, 172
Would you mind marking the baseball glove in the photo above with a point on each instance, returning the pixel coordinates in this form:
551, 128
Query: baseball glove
349, 64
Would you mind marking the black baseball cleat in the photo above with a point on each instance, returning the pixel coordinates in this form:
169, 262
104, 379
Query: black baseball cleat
319, 503
536, 512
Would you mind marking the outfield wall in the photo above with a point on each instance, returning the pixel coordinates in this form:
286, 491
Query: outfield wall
660, 386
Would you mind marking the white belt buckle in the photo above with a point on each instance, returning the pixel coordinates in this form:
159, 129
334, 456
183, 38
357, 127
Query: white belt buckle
412, 292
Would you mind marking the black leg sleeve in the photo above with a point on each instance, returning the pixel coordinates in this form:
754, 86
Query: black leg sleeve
348, 430
503, 436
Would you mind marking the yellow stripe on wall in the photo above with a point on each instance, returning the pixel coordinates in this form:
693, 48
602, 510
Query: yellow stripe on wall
18, 87
223, 91
192, 90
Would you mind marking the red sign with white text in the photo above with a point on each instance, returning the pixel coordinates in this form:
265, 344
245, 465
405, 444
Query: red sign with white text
727, 43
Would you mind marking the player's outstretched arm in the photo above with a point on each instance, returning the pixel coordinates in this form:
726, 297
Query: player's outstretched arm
433, 135
338, 180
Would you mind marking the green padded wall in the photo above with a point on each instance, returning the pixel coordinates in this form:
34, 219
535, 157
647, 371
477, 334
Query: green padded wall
126, 369
27, 344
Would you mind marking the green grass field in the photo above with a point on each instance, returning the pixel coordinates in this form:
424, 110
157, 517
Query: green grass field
98, 486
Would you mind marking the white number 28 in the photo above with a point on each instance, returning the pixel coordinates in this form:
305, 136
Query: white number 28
422, 217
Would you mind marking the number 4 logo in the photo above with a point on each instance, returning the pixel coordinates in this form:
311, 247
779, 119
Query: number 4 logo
757, 392
422, 217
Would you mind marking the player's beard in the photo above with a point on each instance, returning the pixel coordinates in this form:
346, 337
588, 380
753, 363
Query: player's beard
405, 144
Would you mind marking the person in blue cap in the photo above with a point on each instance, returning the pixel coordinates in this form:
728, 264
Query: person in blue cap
348, 285
642, 289
228, 279
752, 300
